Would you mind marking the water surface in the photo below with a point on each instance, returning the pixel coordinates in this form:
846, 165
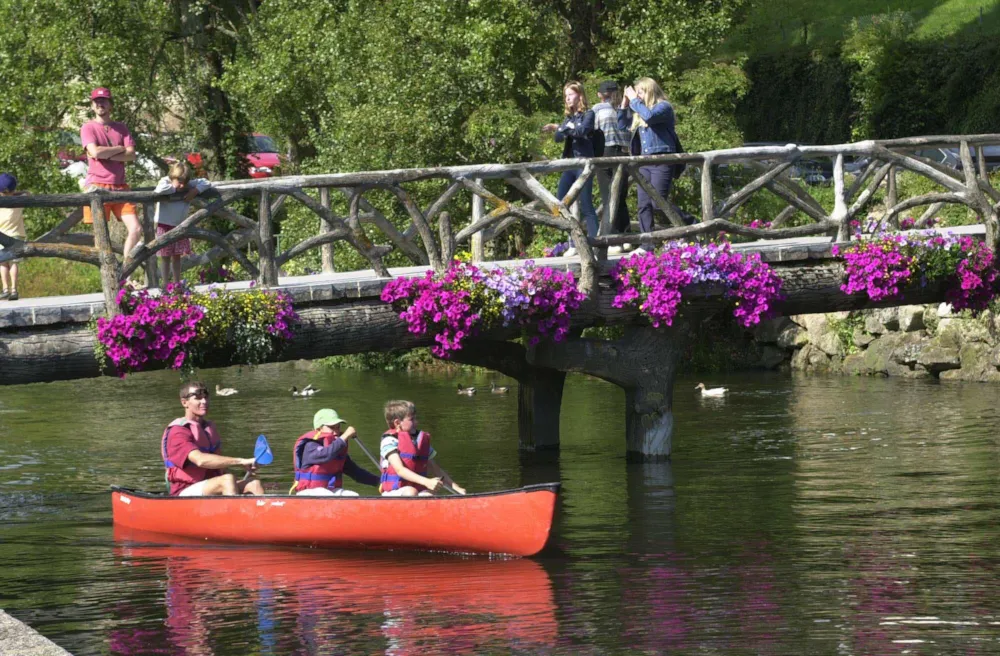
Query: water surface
799, 515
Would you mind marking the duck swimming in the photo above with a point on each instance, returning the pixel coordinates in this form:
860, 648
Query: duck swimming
308, 390
225, 391
498, 390
712, 391
466, 391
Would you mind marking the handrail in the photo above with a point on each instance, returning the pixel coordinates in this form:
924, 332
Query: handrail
525, 199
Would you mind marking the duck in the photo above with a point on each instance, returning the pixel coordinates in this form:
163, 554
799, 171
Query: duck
308, 390
712, 391
498, 390
225, 391
466, 391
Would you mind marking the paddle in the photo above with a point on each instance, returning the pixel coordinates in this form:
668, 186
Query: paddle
379, 467
262, 453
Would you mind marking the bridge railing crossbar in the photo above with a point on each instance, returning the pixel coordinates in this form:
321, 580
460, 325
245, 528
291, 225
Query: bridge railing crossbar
523, 198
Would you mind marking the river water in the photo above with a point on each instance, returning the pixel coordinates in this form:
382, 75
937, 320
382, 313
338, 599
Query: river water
799, 515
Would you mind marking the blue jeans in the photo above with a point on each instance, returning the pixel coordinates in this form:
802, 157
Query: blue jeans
660, 176
586, 198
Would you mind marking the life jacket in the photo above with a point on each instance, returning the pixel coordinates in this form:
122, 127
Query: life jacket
208, 441
328, 474
415, 455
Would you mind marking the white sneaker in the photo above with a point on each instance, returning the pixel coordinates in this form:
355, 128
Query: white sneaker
640, 251
615, 250
626, 247
570, 252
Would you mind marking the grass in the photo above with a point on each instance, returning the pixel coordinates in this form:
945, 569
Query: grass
46, 276
779, 24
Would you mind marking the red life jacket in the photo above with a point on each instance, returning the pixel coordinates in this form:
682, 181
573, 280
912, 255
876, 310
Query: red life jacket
415, 456
208, 441
328, 474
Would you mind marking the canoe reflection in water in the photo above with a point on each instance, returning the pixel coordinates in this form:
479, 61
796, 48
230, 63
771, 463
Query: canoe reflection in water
297, 601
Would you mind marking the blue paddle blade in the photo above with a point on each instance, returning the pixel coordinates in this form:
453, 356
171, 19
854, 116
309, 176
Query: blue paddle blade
262, 451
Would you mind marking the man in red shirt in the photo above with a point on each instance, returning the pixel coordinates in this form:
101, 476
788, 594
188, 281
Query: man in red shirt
109, 145
191, 453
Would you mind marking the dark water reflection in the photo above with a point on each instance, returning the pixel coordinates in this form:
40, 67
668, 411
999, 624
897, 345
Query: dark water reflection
803, 515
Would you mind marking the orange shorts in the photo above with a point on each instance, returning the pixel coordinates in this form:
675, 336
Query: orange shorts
116, 210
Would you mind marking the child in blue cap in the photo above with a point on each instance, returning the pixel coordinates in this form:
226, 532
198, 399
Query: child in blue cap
11, 225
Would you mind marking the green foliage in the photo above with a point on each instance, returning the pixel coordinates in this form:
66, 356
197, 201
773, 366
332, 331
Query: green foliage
845, 328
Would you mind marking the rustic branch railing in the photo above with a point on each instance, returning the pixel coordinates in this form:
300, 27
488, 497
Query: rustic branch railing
525, 198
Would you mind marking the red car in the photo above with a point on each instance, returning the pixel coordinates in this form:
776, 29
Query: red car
263, 159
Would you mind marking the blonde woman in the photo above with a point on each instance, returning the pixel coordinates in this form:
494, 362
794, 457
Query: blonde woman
650, 117
575, 133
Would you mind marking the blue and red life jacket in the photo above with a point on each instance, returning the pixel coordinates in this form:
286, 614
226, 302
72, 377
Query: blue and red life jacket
415, 455
328, 474
208, 441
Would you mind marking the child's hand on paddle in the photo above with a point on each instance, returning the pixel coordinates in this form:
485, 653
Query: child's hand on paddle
458, 488
433, 484
349, 433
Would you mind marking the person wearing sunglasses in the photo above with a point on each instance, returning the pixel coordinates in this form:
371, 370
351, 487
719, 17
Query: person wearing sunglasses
191, 453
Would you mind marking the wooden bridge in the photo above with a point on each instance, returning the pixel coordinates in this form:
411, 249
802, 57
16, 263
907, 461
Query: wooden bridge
48, 339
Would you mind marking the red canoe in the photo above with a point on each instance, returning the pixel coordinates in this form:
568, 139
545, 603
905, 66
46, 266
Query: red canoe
515, 522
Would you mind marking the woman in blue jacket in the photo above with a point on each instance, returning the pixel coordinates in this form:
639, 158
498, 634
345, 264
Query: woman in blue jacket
575, 134
647, 113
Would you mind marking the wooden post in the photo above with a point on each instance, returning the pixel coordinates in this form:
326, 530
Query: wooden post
109, 264
707, 207
891, 193
268, 269
326, 250
478, 247
149, 236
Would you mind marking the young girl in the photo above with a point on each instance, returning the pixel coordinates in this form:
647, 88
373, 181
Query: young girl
575, 132
170, 215
651, 118
12, 225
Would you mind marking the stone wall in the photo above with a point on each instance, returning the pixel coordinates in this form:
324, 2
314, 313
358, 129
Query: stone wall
913, 341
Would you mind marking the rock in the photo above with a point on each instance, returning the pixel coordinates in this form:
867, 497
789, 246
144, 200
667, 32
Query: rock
910, 318
879, 353
874, 326
793, 336
771, 357
854, 365
815, 325
897, 370
931, 319
861, 338
809, 358
767, 332
830, 344
977, 362
937, 358
888, 316
956, 331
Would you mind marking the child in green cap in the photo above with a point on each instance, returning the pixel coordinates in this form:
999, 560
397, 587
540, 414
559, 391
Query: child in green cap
321, 460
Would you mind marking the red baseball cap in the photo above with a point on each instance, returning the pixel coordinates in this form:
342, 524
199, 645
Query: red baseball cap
100, 92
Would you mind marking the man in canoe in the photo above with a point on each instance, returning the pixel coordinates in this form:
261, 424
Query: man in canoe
320, 459
190, 449
407, 455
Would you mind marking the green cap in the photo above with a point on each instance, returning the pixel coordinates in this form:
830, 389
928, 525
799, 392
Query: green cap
326, 417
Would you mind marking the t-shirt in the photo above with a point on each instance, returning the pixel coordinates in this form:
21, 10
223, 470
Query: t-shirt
390, 444
12, 222
173, 213
180, 443
113, 133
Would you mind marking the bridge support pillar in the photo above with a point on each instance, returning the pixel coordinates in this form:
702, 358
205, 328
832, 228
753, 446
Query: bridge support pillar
539, 390
643, 363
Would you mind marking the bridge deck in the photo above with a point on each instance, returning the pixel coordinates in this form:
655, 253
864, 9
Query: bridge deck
51, 310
